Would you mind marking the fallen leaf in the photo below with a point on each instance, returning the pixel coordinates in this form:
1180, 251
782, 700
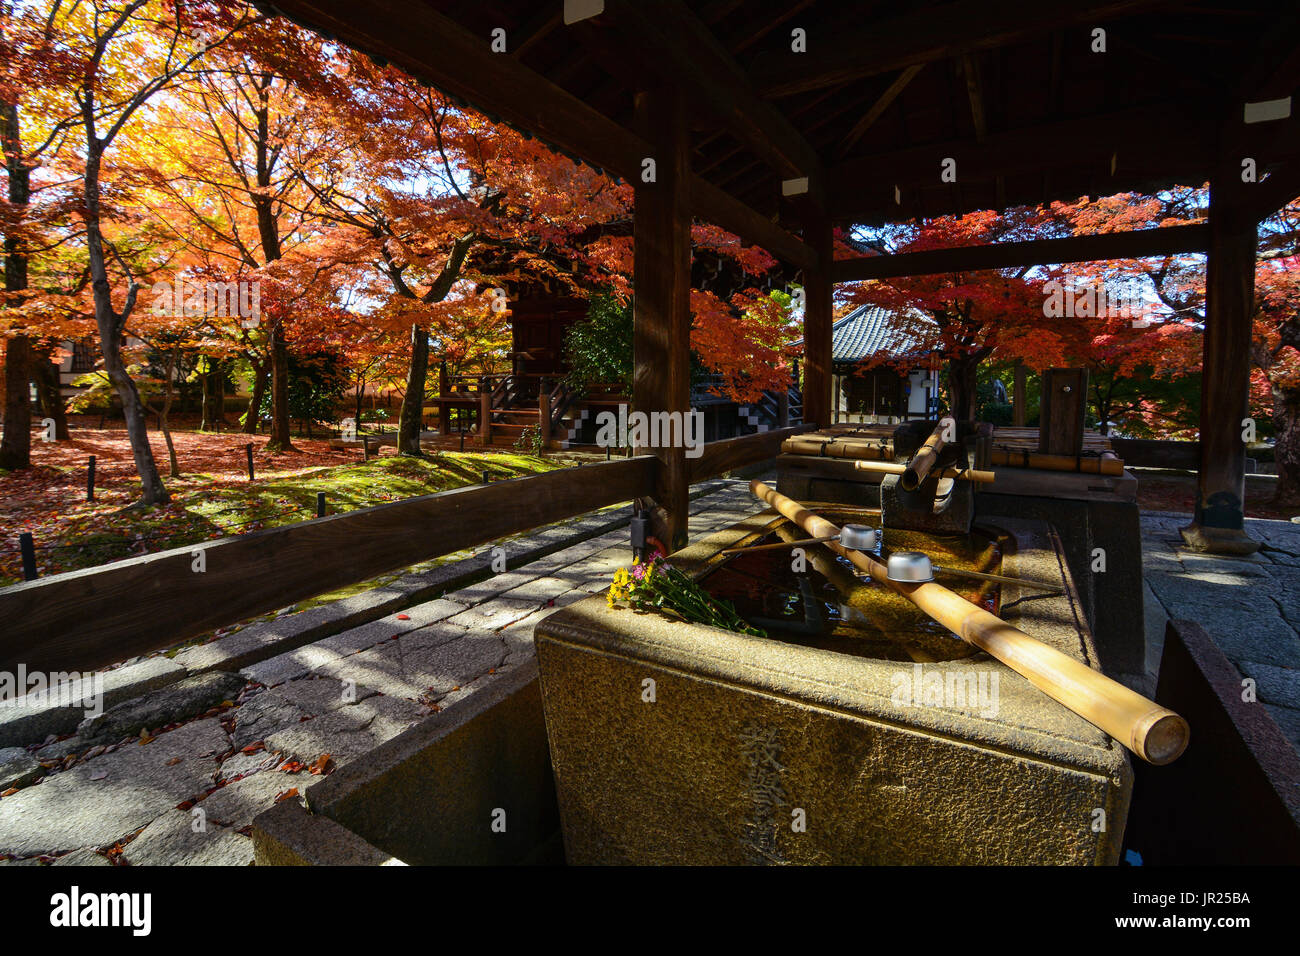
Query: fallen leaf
403, 617
171, 763
101, 774
291, 792
255, 747
321, 765
9, 792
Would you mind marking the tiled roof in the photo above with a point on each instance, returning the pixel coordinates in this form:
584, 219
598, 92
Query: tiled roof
869, 330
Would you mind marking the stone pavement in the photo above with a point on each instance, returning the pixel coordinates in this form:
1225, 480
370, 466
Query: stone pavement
1249, 606
187, 794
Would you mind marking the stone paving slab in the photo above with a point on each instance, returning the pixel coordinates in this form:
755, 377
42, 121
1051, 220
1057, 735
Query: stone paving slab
99, 801
18, 768
300, 661
348, 733
1249, 606
171, 840
35, 716
83, 857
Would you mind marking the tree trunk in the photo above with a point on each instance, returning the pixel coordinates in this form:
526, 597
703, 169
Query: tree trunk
16, 445
961, 387
281, 440
254, 412
111, 323
50, 393
1286, 452
411, 419
137, 430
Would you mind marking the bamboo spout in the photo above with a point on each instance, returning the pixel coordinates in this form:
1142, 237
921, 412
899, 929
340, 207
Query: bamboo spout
893, 468
1154, 733
928, 454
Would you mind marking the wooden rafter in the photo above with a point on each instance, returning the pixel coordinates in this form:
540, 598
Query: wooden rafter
937, 33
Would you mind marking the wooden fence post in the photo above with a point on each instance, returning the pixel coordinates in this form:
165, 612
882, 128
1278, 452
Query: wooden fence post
28, 548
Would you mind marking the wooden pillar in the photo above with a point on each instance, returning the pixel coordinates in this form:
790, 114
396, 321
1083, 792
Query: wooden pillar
661, 311
1018, 397
485, 417
1217, 525
818, 404
544, 413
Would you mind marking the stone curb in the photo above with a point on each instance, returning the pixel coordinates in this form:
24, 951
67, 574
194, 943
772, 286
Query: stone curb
31, 721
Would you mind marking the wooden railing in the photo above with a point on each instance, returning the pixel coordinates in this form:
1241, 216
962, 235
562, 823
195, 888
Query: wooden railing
88, 619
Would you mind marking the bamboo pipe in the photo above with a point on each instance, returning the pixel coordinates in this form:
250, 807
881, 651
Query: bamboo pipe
836, 449
1107, 464
894, 468
997, 578
1154, 733
774, 545
928, 454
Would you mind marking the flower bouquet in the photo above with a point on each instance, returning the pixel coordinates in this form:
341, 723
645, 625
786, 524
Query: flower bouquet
658, 586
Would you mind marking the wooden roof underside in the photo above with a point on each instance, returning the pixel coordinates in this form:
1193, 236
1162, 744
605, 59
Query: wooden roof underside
1009, 89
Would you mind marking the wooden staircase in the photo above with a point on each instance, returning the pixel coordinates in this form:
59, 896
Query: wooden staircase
520, 402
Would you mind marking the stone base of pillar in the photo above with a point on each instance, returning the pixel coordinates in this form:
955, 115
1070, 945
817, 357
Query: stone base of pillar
1218, 540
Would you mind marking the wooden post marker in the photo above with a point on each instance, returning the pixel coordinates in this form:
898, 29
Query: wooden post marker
28, 548
90, 479
249, 449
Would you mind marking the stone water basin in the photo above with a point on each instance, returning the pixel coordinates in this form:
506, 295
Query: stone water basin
673, 743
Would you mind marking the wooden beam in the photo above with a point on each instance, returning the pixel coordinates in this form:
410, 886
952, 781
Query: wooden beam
720, 457
1138, 244
817, 320
715, 205
542, 25
878, 108
661, 308
1160, 131
432, 47
924, 36
88, 619
1262, 199
686, 54
1218, 521
426, 44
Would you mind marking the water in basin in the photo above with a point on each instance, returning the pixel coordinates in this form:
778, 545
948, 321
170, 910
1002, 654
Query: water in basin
831, 605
